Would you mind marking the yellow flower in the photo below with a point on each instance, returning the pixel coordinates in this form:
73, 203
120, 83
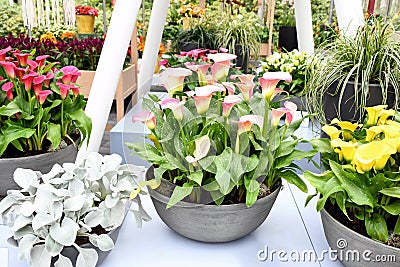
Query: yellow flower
373, 114
390, 131
332, 131
347, 149
346, 125
373, 155
372, 132
384, 115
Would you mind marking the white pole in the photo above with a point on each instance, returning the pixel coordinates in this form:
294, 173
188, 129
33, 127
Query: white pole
153, 40
108, 71
350, 16
305, 39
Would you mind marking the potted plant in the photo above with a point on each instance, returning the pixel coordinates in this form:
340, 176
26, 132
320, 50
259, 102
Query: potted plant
71, 216
218, 149
295, 63
85, 18
196, 36
264, 37
354, 72
284, 17
359, 189
41, 114
190, 14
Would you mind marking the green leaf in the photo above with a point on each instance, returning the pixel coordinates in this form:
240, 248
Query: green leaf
376, 227
147, 152
83, 122
397, 226
217, 197
196, 177
318, 180
251, 197
155, 98
391, 192
393, 208
13, 133
286, 148
294, 178
54, 134
331, 187
223, 176
296, 155
322, 145
356, 187
179, 194
10, 109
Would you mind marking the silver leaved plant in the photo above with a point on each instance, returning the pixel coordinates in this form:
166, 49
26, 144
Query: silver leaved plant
51, 210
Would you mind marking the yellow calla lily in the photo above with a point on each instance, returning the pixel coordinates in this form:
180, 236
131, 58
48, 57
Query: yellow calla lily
390, 131
346, 125
373, 155
373, 114
347, 149
332, 131
384, 115
393, 142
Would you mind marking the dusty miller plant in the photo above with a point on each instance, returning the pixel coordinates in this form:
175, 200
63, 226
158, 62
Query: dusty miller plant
52, 209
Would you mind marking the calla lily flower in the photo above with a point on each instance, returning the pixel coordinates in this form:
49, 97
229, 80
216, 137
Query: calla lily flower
71, 74
40, 59
222, 63
22, 58
19, 72
373, 114
49, 77
147, 117
288, 110
9, 67
390, 131
246, 85
33, 65
384, 115
175, 105
203, 97
229, 102
38, 83
64, 89
346, 126
277, 115
201, 71
3, 53
230, 87
203, 145
269, 82
42, 95
75, 89
332, 131
28, 80
373, 155
347, 149
172, 79
245, 123
7, 87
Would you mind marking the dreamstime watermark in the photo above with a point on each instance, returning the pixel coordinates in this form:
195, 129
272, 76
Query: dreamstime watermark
342, 254
3, 257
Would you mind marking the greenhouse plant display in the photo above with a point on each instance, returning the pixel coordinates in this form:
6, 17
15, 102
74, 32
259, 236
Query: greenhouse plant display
359, 191
71, 216
42, 117
284, 18
218, 149
85, 16
354, 72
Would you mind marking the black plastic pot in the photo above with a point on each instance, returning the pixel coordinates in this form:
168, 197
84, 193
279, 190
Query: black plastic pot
188, 46
288, 38
242, 59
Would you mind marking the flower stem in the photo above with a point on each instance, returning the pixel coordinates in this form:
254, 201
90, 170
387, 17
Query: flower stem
63, 131
265, 123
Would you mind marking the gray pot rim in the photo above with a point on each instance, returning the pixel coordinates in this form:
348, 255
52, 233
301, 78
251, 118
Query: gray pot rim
164, 199
360, 236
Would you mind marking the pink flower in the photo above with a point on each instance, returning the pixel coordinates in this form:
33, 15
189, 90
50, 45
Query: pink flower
196, 53
245, 123
64, 89
269, 81
28, 79
147, 117
201, 71
20, 72
230, 87
37, 83
71, 74
32, 65
22, 58
172, 79
40, 59
175, 105
203, 145
203, 97
163, 62
9, 67
49, 77
42, 95
7, 87
75, 89
288, 110
223, 50
222, 63
246, 85
228, 104
3, 53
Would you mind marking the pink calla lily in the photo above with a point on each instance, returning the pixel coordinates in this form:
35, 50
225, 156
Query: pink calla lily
230, 87
20, 72
147, 117
22, 58
246, 85
75, 89
49, 77
64, 89
32, 65
3, 53
172, 79
42, 95
9, 67
277, 115
201, 71
40, 59
222, 63
71, 74
203, 145
175, 105
288, 110
203, 97
229, 102
269, 82
7, 87
245, 122
28, 80
38, 83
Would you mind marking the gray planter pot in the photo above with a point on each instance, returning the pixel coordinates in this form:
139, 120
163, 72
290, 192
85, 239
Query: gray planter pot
211, 223
42, 163
355, 250
72, 253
